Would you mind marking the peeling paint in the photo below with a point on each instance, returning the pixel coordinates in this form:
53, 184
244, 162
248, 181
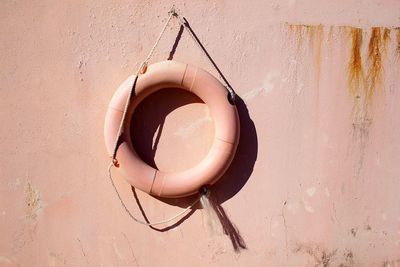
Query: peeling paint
327, 193
349, 259
320, 255
354, 231
55, 259
293, 207
268, 86
32, 200
311, 191
308, 208
14, 184
117, 251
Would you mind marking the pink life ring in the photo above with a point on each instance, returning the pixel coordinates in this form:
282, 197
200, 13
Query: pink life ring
172, 74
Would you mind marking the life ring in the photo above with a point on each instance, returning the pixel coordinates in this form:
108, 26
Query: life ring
172, 74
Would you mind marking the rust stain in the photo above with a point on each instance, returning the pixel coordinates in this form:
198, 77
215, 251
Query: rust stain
317, 38
314, 34
310, 31
330, 36
398, 42
355, 63
375, 61
360, 86
386, 40
363, 79
298, 30
386, 36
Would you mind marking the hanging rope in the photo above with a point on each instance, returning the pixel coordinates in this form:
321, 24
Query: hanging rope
185, 25
142, 69
173, 218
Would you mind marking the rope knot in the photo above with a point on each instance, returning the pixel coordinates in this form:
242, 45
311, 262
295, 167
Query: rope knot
204, 191
115, 162
173, 12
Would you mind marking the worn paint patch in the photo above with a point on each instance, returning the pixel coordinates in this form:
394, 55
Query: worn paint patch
311, 191
321, 256
55, 259
186, 131
32, 201
268, 86
117, 251
292, 207
327, 193
348, 257
392, 263
308, 208
5, 260
14, 184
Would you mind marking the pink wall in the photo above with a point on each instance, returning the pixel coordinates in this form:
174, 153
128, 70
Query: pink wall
316, 177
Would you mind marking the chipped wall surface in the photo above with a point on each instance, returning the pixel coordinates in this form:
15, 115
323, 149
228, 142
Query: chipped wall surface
316, 177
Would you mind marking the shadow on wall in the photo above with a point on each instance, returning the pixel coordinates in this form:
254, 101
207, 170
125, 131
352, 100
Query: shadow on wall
147, 124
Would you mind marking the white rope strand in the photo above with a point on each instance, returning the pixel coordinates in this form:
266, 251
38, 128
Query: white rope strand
173, 218
196, 40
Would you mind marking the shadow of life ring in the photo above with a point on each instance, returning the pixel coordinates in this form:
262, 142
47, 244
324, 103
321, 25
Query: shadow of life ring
172, 74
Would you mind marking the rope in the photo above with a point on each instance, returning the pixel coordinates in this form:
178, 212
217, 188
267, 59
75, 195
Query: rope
173, 218
185, 25
142, 69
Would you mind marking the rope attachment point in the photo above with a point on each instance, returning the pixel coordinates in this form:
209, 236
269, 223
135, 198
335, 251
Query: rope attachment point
231, 95
115, 162
143, 68
173, 12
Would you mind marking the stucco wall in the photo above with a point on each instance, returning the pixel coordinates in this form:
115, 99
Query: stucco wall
316, 178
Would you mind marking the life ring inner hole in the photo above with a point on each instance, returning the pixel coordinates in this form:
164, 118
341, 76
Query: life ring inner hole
171, 130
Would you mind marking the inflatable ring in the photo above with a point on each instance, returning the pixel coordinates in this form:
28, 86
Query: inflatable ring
172, 74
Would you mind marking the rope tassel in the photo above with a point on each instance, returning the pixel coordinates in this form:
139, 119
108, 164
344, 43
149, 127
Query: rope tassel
211, 217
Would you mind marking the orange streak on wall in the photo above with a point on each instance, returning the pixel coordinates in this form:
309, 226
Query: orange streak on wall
398, 42
355, 63
375, 61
